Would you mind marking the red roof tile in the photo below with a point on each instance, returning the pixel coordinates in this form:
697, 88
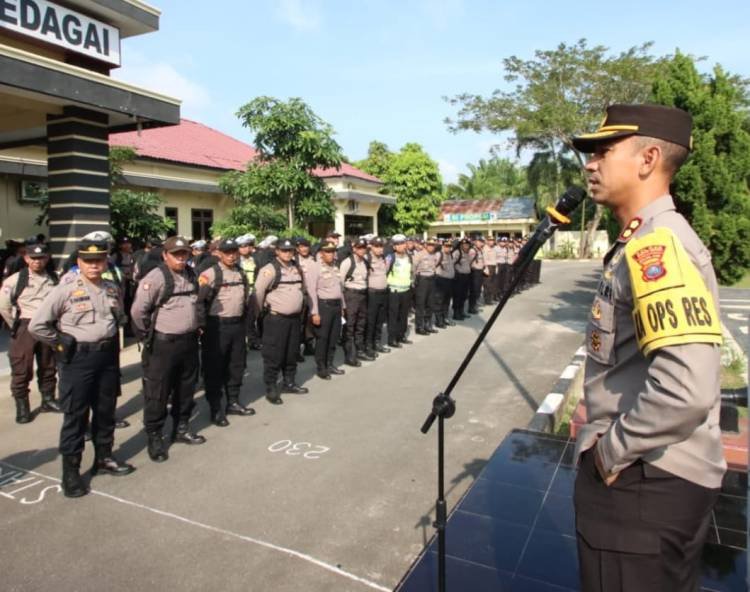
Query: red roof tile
193, 143
470, 206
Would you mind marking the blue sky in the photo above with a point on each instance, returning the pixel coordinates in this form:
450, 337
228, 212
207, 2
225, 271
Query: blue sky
378, 69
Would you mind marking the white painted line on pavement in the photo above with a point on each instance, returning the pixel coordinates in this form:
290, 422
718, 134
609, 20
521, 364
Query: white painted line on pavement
737, 316
735, 306
242, 537
745, 300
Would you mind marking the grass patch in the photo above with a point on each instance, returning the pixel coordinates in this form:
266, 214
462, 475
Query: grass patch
744, 282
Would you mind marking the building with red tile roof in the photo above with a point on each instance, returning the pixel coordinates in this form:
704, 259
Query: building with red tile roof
512, 216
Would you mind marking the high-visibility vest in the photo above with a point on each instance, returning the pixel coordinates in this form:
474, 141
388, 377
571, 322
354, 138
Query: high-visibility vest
399, 278
248, 266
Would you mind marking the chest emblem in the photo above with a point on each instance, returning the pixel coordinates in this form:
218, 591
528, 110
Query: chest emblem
650, 259
596, 311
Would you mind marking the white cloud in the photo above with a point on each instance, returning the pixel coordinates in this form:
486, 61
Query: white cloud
162, 77
448, 170
303, 15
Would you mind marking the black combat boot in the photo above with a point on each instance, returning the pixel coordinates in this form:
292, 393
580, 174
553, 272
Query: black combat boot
50, 404
351, 355
309, 349
294, 389
182, 434
365, 355
23, 410
157, 451
234, 408
429, 328
72, 484
382, 349
104, 462
273, 394
323, 373
332, 369
219, 418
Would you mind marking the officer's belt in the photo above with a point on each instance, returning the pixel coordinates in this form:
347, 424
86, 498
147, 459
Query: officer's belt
285, 316
357, 290
96, 346
330, 301
377, 290
192, 335
426, 275
398, 289
224, 320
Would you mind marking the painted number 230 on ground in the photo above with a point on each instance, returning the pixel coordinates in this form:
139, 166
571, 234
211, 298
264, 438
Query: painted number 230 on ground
303, 449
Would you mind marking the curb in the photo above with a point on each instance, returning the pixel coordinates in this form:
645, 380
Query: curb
546, 414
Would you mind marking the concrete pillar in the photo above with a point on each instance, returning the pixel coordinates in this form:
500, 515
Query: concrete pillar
78, 178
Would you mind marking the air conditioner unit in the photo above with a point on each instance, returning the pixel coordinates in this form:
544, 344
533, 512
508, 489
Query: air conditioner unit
32, 192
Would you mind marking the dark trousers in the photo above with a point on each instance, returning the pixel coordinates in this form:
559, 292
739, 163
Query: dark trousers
253, 334
377, 307
475, 288
536, 271
280, 347
88, 382
224, 354
441, 298
327, 334
169, 371
356, 321
460, 292
398, 314
644, 532
22, 352
423, 289
489, 284
502, 279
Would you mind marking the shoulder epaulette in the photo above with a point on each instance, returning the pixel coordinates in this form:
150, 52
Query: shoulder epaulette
629, 230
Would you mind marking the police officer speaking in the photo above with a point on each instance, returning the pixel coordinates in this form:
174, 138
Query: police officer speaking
80, 318
222, 305
165, 314
21, 295
651, 459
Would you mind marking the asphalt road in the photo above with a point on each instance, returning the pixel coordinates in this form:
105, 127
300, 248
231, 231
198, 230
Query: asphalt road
333, 490
735, 313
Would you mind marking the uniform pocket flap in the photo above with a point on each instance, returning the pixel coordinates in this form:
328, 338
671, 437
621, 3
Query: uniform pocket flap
620, 538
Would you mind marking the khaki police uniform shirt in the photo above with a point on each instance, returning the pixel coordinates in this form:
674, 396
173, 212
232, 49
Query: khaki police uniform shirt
652, 386
177, 316
490, 255
287, 298
445, 265
358, 280
323, 282
477, 262
79, 308
425, 263
377, 279
229, 299
29, 300
463, 260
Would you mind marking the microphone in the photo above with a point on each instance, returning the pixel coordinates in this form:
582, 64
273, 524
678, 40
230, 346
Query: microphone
556, 216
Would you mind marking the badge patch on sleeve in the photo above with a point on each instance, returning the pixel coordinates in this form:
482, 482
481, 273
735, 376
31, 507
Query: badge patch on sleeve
672, 305
202, 280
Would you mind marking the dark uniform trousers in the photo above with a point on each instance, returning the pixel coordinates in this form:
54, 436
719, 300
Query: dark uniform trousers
502, 279
475, 288
356, 321
377, 306
281, 335
423, 289
398, 314
644, 532
253, 333
327, 334
441, 299
171, 369
224, 357
460, 291
89, 381
23, 349
488, 283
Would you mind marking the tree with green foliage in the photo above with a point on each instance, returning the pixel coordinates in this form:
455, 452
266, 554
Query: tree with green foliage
413, 178
291, 142
557, 94
490, 179
711, 188
135, 214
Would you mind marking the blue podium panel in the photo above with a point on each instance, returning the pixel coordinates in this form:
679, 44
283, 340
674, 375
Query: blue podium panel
514, 530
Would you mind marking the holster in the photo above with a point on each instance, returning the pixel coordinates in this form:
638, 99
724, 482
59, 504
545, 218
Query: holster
65, 348
14, 327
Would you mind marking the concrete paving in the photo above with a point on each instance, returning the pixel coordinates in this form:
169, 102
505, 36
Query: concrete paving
333, 490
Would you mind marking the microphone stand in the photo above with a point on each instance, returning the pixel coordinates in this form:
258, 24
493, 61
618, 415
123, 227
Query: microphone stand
443, 406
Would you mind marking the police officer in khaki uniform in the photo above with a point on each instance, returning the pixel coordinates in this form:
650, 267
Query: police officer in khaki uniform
80, 319
354, 272
463, 257
477, 274
377, 298
400, 279
325, 290
222, 306
490, 270
651, 461
444, 276
21, 295
305, 260
425, 264
165, 313
249, 265
280, 293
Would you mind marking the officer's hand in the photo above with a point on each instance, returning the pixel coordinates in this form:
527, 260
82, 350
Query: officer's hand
608, 478
315, 319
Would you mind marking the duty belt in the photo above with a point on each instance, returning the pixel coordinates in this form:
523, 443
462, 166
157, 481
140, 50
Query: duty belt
330, 301
225, 320
285, 316
357, 290
377, 290
192, 335
96, 346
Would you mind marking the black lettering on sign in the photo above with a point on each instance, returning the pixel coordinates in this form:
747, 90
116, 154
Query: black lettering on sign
653, 318
687, 307
695, 303
640, 330
92, 39
105, 35
6, 11
30, 15
50, 24
670, 311
72, 29
706, 314
661, 313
